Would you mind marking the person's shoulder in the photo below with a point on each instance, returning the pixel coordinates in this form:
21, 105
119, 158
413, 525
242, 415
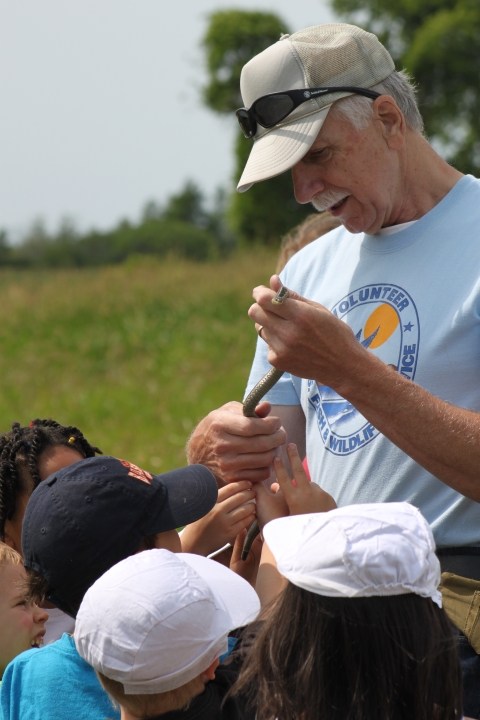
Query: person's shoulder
318, 250
43, 657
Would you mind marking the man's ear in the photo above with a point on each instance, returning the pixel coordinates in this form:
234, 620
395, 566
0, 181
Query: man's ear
387, 112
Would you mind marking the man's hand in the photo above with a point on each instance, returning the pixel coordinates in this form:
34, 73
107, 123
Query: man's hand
305, 339
235, 447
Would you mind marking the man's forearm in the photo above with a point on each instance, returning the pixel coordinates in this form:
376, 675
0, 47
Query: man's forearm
442, 438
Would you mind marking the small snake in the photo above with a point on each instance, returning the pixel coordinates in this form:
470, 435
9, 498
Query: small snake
251, 401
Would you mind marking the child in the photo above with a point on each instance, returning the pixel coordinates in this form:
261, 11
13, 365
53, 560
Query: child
83, 520
159, 651
29, 455
356, 629
21, 622
313, 227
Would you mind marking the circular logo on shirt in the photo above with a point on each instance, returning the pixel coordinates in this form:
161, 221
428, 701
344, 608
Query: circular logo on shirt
385, 321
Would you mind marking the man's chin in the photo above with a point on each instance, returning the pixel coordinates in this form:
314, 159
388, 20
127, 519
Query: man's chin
353, 225
353, 228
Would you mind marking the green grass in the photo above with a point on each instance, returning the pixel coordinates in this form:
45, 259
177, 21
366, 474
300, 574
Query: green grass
134, 355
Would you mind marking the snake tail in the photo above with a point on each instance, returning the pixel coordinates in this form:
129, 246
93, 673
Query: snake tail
251, 402
252, 533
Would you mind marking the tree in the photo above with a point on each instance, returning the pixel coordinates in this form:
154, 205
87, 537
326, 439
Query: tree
438, 42
268, 210
187, 206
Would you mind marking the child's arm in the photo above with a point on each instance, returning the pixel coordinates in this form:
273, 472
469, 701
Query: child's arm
222, 524
269, 581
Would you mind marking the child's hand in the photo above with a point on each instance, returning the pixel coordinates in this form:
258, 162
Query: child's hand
270, 505
300, 495
222, 524
248, 568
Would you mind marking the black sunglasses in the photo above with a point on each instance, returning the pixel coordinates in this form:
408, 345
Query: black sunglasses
269, 110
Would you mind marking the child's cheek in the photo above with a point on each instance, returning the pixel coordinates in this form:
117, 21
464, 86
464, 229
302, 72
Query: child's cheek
24, 619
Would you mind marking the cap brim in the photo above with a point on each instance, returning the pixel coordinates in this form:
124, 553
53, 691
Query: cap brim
280, 149
236, 594
192, 492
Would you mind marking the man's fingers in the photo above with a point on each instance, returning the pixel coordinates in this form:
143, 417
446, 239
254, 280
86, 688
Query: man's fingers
254, 475
288, 310
241, 427
248, 461
263, 409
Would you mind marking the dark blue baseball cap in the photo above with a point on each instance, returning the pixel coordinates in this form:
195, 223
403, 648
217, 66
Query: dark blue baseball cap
85, 518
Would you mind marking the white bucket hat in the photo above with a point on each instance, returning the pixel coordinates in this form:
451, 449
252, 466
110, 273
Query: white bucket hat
358, 551
158, 619
332, 55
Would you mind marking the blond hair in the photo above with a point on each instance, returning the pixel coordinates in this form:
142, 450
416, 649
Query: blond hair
9, 556
313, 227
150, 705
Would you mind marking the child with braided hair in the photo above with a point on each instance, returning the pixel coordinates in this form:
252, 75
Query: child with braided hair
29, 455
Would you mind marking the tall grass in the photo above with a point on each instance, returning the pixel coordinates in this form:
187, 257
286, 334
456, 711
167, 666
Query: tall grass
134, 354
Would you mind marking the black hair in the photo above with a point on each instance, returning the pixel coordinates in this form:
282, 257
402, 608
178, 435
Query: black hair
366, 658
20, 450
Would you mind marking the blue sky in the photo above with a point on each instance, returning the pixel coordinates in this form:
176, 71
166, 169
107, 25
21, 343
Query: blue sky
100, 108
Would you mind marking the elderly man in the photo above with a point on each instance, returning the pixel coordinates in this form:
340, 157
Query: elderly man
380, 339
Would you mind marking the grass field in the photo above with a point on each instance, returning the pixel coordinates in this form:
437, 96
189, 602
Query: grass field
134, 355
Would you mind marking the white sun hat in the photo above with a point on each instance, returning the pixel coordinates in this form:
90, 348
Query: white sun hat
358, 551
158, 619
332, 55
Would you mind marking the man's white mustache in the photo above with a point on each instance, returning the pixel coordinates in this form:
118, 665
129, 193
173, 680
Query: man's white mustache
325, 200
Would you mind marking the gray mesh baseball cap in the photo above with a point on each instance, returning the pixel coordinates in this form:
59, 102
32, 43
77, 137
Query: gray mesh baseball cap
335, 54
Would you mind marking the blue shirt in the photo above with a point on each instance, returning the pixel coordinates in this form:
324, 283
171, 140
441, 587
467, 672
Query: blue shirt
413, 300
55, 683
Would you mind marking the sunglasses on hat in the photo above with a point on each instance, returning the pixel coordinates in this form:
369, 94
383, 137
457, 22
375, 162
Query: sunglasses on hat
269, 110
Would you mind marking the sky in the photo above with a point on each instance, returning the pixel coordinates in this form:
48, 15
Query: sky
100, 106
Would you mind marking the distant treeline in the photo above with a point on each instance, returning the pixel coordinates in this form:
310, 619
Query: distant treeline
183, 227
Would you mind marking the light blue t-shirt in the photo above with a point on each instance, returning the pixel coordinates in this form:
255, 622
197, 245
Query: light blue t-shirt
53, 683
413, 299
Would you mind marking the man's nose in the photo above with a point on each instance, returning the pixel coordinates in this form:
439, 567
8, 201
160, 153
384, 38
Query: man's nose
306, 182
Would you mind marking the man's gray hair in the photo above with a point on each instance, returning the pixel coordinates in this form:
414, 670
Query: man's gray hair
358, 110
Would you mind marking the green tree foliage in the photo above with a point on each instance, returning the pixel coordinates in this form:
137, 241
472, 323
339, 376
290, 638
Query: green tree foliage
187, 206
233, 37
268, 210
438, 42
183, 227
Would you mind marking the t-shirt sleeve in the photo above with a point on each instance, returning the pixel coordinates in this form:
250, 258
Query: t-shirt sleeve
10, 694
284, 392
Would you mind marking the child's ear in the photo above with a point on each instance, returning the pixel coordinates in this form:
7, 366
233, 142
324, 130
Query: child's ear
9, 541
210, 671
